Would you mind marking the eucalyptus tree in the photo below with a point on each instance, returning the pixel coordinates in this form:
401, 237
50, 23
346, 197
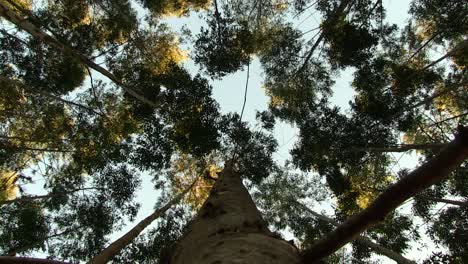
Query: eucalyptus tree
95, 96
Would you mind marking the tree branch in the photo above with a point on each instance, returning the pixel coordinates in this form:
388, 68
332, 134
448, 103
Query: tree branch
364, 240
432, 172
42, 36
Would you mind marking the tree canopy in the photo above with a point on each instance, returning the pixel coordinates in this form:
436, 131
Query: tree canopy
100, 97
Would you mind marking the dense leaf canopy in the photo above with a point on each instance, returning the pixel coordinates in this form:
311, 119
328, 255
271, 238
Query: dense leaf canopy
77, 141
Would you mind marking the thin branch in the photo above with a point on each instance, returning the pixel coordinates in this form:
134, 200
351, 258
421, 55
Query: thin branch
459, 48
423, 45
337, 14
42, 36
245, 91
432, 172
93, 90
448, 119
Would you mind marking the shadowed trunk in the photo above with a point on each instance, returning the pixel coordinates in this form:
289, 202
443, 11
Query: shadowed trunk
230, 229
432, 172
364, 240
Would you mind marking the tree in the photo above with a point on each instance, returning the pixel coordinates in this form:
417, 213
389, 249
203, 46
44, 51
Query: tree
96, 99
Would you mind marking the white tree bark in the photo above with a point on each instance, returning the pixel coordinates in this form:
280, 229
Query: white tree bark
230, 229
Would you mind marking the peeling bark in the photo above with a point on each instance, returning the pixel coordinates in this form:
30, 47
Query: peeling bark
230, 229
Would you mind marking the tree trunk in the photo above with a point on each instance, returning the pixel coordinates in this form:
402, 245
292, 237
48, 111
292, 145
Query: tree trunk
364, 240
230, 229
115, 247
432, 172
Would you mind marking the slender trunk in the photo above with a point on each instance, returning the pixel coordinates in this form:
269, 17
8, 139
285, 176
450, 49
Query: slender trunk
402, 147
229, 229
42, 36
364, 240
24, 260
432, 172
115, 247
447, 201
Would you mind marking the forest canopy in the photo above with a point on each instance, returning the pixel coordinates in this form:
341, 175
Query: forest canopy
101, 100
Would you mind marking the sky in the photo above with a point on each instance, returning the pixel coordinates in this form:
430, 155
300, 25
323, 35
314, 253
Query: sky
229, 93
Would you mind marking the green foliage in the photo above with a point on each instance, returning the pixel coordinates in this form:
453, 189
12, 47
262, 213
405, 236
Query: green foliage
254, 161
88, 143
350, 45
224, 47
22, 225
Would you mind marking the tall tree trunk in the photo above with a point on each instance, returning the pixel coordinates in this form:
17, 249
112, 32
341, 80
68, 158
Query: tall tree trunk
230, 229
39, 35
115, 247
364, 240
432, 172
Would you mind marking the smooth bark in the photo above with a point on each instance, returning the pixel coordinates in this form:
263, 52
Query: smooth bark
433, 171
42, 36
229, 229
115, 247
364, 240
